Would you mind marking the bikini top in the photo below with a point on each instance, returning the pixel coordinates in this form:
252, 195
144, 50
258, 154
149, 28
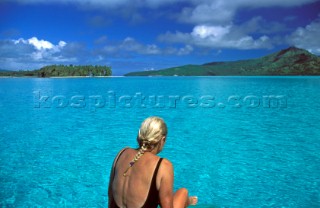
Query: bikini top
152, 200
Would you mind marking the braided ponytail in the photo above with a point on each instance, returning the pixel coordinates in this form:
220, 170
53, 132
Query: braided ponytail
150, 133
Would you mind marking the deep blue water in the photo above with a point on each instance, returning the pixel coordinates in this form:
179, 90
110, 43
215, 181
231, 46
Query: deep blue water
234, 141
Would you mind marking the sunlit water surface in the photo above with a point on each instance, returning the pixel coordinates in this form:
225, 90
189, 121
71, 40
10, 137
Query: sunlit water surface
229, 145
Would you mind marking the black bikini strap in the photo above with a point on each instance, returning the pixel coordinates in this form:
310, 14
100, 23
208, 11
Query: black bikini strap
157, 168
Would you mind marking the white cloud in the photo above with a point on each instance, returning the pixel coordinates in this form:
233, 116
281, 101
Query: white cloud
204, 31
45, 49
62, 43
222, 12
259, 25
208, 12
185, 50
101, 40
307, 37
130, 47
213, 22
40, 44
216, 37
32, 52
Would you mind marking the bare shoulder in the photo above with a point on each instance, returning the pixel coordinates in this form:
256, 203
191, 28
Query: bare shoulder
166, 163
166, 166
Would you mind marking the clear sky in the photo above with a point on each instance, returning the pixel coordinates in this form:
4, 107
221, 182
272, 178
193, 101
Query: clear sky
136, 35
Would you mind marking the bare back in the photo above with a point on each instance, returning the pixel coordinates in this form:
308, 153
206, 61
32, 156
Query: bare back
132, 190
139, 178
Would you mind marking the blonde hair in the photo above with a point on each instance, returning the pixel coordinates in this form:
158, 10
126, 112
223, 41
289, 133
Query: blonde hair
150, 134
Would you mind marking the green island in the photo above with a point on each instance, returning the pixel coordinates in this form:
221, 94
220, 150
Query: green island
62, 71
290, 61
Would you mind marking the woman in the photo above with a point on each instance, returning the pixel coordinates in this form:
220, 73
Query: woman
139, 178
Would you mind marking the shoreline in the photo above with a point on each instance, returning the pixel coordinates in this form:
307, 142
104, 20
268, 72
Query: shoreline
61, 77
82, 77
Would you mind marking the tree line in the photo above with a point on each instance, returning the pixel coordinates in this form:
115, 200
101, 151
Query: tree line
63, 71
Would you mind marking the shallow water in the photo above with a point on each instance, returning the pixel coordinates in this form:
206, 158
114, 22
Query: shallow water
230, 146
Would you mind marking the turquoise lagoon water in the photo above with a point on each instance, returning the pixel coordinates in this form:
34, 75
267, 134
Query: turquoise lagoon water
234, 141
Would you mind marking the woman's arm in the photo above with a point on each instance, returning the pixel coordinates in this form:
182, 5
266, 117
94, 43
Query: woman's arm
166, 184
168, 199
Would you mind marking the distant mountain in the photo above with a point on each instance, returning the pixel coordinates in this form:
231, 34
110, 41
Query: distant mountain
290, 61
